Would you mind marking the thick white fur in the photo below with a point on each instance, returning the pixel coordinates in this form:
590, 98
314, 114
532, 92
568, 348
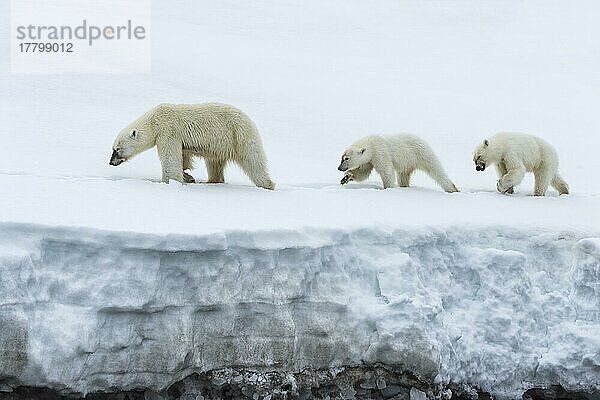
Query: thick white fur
513, 154
394, 158
217, 132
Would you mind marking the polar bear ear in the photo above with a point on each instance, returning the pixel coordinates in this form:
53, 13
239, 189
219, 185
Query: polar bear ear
133, 134
486, 143
362, 151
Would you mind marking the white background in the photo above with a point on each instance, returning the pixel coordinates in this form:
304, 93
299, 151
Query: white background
315, 76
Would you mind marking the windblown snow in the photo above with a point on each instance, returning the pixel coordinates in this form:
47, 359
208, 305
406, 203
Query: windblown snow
112, 281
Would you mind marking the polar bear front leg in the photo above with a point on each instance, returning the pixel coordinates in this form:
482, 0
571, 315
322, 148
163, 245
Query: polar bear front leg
404, 177
388, 174
171, 160
501, 171
511, 179
358, 174
348, 177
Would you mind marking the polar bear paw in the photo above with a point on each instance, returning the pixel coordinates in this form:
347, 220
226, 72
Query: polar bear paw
504, 190
347, 178
187, 178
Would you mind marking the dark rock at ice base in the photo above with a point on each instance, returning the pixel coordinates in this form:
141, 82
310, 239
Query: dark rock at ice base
248, 392
348, 393
368, 385
395, 390
197, 388
305, 395
557, 393
416, 394
380, 382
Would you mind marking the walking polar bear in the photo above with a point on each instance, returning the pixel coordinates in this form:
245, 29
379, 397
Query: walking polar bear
217, 132
394, 158
517, 153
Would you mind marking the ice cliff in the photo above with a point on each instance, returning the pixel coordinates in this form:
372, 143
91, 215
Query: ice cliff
459, 310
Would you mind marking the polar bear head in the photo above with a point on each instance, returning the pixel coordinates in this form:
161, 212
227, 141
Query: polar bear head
484, 155
132, 140
353, 157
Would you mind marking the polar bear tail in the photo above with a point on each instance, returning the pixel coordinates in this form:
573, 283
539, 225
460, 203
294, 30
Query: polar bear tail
559, 184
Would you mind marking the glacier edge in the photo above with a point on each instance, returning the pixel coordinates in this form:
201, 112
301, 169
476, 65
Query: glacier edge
497, 308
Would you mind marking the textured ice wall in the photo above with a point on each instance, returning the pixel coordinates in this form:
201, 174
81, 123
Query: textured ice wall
499, 308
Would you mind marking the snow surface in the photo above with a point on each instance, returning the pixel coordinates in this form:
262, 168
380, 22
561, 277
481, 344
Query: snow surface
104, 269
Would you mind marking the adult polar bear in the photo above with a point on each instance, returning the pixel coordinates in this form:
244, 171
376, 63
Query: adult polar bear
394, 158
517, 153
218, 132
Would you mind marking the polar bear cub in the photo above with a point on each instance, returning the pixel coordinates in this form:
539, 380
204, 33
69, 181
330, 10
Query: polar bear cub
395, 158
217, 132
517, 153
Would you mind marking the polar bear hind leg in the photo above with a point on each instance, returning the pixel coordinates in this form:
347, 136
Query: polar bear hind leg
254, 164
559, 184
215, 169
188, 163
436, 172
404, 177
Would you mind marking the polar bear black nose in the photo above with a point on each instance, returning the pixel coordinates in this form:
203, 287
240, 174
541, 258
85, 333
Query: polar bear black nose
115, 159
341, 168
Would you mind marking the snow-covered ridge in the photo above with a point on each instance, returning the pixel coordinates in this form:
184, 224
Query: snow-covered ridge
502, 309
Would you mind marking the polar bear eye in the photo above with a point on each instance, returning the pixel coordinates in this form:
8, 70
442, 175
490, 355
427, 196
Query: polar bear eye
133, 133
